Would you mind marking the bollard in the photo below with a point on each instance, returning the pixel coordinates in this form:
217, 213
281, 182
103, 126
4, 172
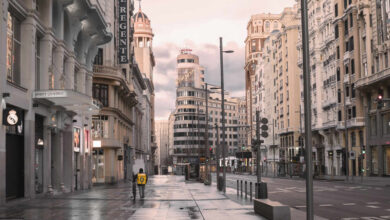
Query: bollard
250, 190
241, 187
246, 192
238, 187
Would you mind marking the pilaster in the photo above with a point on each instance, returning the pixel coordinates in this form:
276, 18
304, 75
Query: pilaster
3, 51
69, 73
58, 68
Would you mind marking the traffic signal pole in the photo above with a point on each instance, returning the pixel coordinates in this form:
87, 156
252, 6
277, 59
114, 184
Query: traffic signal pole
258, 155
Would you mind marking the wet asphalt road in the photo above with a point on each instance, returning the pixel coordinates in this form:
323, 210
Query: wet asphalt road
332, 199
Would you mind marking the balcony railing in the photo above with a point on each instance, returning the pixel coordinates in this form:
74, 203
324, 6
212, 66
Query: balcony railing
351, 123
374, 78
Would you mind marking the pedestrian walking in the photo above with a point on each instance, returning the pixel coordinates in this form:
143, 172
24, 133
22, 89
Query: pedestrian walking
134, 186
142, 179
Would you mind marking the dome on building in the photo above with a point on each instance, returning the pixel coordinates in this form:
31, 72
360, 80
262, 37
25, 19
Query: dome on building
140, 16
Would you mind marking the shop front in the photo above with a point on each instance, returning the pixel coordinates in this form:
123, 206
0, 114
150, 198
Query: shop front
13, 119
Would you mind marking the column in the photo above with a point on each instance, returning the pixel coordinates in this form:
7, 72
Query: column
69, 73
46, 61
27, 69
3, 50
47, 134
88, 84
58, 68
68, 159
81, 80
57, 157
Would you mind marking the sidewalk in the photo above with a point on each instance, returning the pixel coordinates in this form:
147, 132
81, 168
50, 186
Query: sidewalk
167, 197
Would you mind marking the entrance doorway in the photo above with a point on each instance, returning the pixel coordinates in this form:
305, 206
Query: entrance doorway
38, 161
15, 160
98, 166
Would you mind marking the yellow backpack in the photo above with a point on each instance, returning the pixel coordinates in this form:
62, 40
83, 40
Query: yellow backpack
141, 179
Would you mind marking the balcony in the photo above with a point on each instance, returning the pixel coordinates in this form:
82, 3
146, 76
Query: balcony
351, 123
347, 55
372, 79
109, 72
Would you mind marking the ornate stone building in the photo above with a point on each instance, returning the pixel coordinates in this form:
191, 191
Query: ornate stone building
46, 57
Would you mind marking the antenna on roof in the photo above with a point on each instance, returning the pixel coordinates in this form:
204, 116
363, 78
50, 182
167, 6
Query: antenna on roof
139, 4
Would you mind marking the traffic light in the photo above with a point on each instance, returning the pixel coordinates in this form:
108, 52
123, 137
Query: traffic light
264, 127
379, 100
211, 150
363, 152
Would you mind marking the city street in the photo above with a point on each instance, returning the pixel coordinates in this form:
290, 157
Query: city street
332, 199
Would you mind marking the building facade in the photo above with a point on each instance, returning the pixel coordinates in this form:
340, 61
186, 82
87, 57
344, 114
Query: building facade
162, 137
374, 82
113, 127
47, 54
143, 54
258, 28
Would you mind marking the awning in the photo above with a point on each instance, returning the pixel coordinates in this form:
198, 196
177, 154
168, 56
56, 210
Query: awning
69, 99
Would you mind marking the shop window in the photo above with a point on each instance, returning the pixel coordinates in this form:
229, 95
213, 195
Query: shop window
13, 49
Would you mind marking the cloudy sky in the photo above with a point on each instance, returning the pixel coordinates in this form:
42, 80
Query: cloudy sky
198, 25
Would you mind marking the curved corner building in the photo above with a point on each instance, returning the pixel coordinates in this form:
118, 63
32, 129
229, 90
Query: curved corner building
189, 116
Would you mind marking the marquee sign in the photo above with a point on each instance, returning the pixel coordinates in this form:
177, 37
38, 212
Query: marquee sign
123, 42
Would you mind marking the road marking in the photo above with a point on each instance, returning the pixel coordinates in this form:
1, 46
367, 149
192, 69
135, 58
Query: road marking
373, 203
349, 203
300, 206
373, 206
349, 218
388, 210
326, 205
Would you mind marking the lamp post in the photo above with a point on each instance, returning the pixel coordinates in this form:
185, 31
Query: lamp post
221, 51
307, 110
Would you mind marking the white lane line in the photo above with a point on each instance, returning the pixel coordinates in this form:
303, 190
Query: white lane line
300, 206
349, 203
372, 203
388, 210
326, 205
373, 206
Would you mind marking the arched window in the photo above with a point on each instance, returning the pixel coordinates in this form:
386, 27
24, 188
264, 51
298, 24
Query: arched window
267, 25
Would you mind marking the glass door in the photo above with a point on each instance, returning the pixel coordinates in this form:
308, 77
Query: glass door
98, 166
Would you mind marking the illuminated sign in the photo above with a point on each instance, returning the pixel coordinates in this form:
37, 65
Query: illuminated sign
122, 49
11, 117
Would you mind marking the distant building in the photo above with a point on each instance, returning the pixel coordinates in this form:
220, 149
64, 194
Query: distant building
162, 138
190, 115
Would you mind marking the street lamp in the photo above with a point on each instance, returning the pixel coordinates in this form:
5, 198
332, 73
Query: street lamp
221, 51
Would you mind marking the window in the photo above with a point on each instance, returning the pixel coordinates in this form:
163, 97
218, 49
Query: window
345, 4
386, 60
353, 90
352, 66
338, 52
339, 116
13, 49
100, 92
353, 111
100, 126
339, 96
353, 139
345, 27
351, 47
350, 20
347, 91
99, 57
336, 13
338, 74
336, 31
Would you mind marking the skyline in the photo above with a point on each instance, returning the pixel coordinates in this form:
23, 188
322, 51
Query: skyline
172, 34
